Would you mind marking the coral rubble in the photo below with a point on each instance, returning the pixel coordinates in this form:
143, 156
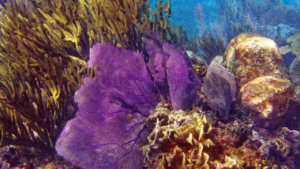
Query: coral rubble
262, 79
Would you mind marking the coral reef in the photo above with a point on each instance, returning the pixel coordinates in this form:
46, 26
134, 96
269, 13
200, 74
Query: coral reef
255, 62
178, 140
19, 157
191, 139
199, 65
256, 147
295, 74
294, 43
114, 106
219, 88
44, 48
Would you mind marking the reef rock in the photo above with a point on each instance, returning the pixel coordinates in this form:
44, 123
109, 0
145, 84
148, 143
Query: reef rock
282, 14
262, 79
295, 74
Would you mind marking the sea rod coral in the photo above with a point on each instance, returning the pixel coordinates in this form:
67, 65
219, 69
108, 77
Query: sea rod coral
44, 49
37, 80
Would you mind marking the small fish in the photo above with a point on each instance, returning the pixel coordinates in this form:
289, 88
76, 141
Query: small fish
129, 116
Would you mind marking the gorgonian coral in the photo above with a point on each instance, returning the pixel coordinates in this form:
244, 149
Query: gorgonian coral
39, 75
110, 125
44, 48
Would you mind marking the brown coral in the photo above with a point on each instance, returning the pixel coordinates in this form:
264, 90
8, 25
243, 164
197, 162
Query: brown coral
262, 79
181, 140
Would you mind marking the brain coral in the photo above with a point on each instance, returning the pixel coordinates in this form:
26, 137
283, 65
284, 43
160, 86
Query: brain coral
262, 79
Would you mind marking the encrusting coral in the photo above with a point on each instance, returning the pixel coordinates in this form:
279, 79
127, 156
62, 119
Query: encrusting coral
295, 74
182, 139
263, 81
178, 139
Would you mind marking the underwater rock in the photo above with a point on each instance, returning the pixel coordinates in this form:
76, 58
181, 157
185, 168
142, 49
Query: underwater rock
295, 74
280, 147
172, 72
195, 59
219, 88
269, 99
262, 79
109, 128
282, 14
219, 59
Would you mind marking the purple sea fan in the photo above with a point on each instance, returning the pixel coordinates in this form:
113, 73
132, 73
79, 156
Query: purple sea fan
109, 128
172, 72
183, 83
219, 88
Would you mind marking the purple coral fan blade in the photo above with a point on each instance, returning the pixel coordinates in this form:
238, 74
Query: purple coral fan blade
101, 135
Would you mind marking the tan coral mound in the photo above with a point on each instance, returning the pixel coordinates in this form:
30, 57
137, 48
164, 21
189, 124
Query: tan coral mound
181, 140
262, 79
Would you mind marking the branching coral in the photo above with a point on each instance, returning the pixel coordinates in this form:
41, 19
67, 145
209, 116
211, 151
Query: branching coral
211, 47
43, 52
40, 72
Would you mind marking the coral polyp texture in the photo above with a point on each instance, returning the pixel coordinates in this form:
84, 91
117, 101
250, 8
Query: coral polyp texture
262, 79
178, 140
181, 139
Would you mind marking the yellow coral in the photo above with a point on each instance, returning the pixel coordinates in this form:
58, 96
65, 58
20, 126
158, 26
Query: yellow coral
39, 73
43, 54
182, 140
